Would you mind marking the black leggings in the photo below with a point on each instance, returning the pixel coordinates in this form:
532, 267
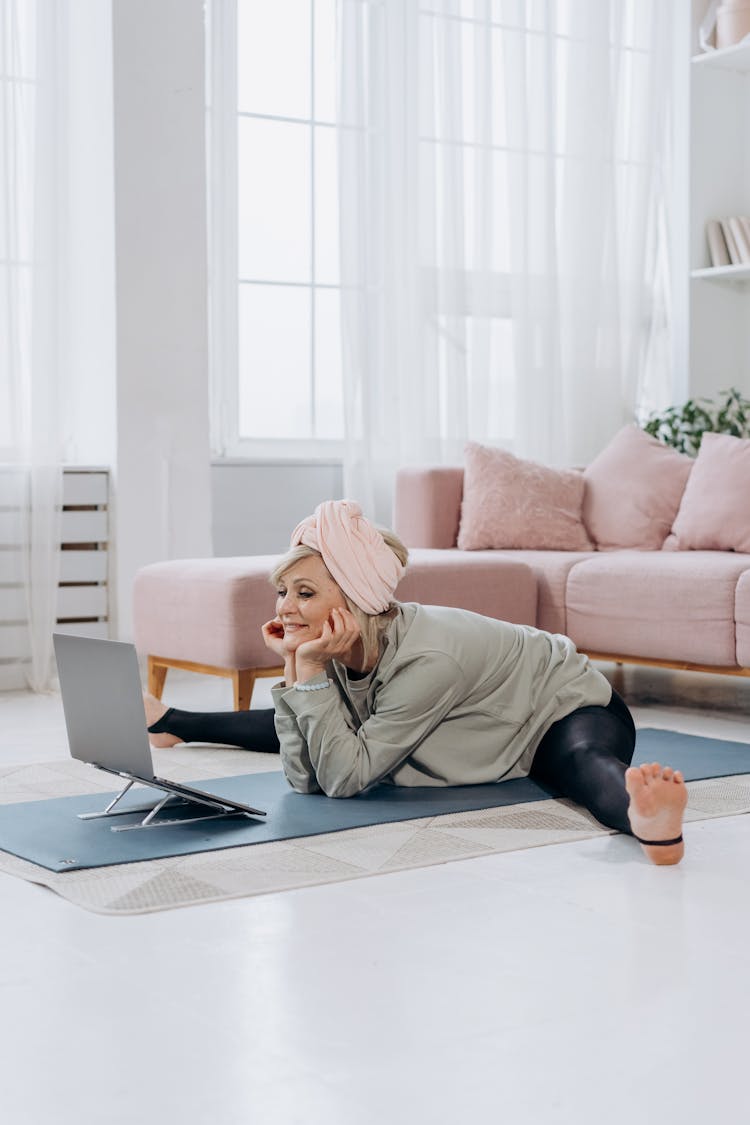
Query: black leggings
583, 756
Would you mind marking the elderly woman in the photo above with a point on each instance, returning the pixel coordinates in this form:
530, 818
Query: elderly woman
375, 690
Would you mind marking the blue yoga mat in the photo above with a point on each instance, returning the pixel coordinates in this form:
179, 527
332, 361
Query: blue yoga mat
50, 834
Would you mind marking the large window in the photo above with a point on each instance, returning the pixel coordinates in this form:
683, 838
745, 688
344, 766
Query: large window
513, 187
276, 201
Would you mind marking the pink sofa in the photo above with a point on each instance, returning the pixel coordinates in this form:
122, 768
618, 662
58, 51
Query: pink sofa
677, 607
686, 609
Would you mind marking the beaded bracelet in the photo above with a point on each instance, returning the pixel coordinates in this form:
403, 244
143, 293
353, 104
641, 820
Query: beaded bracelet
312, 687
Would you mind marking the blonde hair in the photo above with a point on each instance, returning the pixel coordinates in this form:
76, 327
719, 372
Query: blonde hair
371, 625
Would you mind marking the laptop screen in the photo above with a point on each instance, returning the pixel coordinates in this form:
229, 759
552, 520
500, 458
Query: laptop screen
101, 693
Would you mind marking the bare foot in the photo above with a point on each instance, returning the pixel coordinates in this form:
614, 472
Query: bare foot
657, 803
154, 709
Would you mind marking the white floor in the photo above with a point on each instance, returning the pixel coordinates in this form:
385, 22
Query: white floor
565, 984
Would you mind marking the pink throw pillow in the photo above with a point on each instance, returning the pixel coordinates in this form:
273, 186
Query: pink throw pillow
715, 511
512, 503
633, 491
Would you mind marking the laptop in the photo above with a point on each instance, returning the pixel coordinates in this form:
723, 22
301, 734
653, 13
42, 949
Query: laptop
103, 703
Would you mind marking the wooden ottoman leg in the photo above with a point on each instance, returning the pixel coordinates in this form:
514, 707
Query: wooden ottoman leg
243, 681
157, 674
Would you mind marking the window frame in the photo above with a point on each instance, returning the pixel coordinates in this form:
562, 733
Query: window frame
222, 115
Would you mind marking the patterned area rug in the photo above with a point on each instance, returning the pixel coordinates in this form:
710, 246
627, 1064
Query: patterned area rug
138, 888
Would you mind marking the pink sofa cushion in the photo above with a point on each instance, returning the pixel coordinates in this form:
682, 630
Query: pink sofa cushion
633, 491
512, 503
667, 605
484, 582
551, 570
715, 511
742, 619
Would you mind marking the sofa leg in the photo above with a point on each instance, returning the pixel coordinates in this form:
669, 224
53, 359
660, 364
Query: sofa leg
157, 674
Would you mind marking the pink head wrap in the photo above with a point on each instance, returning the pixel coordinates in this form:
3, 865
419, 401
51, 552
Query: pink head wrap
354, 551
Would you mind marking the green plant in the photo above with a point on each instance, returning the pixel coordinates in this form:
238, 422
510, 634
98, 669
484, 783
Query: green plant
683, 427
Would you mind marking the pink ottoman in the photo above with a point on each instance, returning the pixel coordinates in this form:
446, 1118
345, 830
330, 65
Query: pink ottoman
205, 615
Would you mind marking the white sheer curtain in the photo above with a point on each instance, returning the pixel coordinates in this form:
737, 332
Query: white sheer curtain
32, 328
502, 181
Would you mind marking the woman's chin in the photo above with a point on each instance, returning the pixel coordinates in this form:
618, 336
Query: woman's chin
292, 641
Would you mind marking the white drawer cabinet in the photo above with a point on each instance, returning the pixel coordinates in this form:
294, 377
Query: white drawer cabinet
83, 590
83, 593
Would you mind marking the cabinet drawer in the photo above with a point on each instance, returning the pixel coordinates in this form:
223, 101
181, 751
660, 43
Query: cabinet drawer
14, 642
84, 628
85, 488
84, 527
83, 566
12, 603
13, 486
11, 529
82, 601
11, 563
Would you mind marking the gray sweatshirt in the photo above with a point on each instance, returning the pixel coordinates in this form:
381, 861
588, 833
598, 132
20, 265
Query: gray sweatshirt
455, 699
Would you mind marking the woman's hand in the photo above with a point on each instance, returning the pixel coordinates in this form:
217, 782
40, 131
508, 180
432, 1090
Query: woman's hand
340, 634
273, 636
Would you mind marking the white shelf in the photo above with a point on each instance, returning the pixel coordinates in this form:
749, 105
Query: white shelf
728, 58
723, 273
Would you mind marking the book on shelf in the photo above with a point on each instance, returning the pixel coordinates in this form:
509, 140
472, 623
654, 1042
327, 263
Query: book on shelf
740, 239
717, 248
732, 247
744, 222
728, 241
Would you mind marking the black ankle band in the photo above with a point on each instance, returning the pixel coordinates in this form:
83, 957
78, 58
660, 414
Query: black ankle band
657, 843
160, 726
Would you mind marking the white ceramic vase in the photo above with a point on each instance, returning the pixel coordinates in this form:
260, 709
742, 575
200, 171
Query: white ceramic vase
732, 22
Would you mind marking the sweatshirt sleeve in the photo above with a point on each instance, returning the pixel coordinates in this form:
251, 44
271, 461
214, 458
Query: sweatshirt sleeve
345, 761
295, 758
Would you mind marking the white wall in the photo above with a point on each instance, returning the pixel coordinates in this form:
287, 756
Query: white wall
88, 402
162, 503
256, 506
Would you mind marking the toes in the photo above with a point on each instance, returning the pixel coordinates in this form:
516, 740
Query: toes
650, 772
634, 778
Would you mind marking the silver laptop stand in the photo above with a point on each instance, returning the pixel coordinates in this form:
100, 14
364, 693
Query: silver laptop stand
152, 811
